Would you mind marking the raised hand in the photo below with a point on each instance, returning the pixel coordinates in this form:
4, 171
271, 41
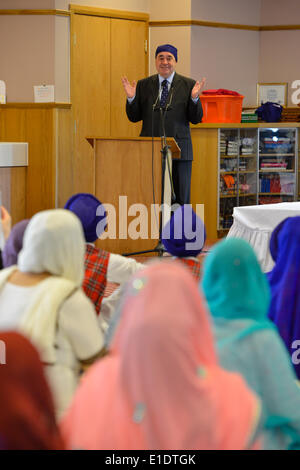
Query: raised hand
6, 222
129, 88
197, 88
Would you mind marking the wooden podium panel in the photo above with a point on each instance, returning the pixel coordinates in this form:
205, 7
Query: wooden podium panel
123, 178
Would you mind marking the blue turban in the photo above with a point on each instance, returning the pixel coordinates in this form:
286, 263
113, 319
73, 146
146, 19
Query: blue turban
167, 48
184, 235
85, 206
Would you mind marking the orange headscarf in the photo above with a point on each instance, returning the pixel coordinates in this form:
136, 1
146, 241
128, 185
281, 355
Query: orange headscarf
27, 420
161, 386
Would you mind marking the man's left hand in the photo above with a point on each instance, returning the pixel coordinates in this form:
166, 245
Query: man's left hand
197, 88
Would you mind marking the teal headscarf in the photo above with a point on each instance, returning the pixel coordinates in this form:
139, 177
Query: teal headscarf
235, 286
238, 296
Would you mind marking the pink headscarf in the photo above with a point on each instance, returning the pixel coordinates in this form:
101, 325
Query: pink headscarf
161, 386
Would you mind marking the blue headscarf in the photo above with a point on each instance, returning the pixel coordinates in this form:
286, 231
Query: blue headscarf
91, 213
234, 285
184, 234
284, 281
238, 297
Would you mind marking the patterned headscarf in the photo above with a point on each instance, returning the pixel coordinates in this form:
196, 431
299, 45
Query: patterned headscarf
284, 280
162, 370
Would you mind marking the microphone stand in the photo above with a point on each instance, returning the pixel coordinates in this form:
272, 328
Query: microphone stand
160, 249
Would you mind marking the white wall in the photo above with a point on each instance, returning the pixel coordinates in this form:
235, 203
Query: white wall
167, 10
35, 49
27, 4
279, 58
274, 12
180, 37
227, 11
62, 59
26, 54
228, 58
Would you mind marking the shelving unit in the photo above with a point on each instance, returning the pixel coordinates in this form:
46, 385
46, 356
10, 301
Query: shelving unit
255, 166
277, 165
237, 178
206, 172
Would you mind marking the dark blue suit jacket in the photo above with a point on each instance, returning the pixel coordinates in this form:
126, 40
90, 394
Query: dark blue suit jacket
181, 110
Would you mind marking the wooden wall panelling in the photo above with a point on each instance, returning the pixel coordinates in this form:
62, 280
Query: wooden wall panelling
13, 180
90, 92
64, 156
39, 133
204, 185
13, 191
128, 58
34, 125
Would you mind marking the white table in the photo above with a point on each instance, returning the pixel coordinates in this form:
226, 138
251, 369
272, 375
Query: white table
256, 223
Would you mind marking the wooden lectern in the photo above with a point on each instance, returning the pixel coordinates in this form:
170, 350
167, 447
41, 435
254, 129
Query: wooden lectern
123, 178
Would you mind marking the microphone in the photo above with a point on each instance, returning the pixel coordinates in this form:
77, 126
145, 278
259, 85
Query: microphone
155, 104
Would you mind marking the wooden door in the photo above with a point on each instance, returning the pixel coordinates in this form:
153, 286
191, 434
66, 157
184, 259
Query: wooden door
128, 57
102, 50
90, 92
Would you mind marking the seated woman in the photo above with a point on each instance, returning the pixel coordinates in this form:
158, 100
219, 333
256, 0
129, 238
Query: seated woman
183, 236
238, 298
160, 386
284, 280
42, 297
27, 420
100, 265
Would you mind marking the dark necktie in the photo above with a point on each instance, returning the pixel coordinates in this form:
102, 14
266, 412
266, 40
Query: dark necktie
164, 93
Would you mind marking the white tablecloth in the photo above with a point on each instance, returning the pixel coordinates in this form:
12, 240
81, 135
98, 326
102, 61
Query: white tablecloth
256, 223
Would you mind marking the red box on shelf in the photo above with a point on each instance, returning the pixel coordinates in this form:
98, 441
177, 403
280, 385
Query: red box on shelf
222, 108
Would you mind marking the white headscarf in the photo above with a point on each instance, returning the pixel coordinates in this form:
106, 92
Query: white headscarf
54, 243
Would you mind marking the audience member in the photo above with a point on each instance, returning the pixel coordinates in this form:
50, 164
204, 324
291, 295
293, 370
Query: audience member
284, 280
238, 298
5, 227
27, 420
100, 265
14, 244
42, 297
160, 386
183, 236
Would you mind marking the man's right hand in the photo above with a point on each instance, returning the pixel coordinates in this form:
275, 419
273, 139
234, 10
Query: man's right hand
129, 88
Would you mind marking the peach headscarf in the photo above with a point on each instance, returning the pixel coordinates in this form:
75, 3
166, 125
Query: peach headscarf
161, 386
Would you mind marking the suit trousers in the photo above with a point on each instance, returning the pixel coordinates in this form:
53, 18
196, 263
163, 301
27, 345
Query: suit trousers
181, 176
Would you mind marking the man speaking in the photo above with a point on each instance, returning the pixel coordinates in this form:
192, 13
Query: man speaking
178, 97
